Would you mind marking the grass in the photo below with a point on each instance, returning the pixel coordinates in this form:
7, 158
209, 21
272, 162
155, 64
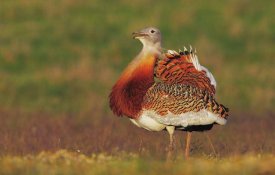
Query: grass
64, 162
32, 134
51, 50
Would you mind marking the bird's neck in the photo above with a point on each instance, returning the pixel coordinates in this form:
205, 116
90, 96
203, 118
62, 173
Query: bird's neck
127, 94
151, 48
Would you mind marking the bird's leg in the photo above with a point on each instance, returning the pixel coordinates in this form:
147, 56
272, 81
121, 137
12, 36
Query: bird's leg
211, 144
187, 147
170, 130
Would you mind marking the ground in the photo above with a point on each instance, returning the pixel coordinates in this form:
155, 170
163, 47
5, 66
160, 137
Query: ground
64, 162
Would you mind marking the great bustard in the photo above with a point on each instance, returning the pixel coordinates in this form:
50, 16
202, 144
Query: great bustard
167, 90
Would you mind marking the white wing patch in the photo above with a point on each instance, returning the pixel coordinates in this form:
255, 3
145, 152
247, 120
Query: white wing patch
173, 52
194, 59
202, 117
210, 76
148, 123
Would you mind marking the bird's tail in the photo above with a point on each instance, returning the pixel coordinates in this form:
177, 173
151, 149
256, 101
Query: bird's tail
216, 108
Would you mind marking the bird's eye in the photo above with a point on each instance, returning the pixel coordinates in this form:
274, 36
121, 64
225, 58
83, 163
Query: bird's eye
152, 31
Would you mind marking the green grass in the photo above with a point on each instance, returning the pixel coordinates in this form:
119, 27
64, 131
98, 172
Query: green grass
42, 42
64, 162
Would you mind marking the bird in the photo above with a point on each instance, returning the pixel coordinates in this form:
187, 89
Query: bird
167, 90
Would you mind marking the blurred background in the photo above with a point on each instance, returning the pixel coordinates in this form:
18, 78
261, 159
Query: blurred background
60, 58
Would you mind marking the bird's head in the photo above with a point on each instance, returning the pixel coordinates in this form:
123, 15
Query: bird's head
150, 37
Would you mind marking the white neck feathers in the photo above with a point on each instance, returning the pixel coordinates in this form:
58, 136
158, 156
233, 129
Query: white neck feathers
149, 47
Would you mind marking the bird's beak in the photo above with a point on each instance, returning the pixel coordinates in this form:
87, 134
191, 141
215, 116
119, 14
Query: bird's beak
137, 35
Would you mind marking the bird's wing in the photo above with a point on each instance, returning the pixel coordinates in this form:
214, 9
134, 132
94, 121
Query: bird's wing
182, 105
184, 96
184, 68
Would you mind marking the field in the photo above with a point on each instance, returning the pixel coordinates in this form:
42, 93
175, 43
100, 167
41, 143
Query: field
60, 58
63, 162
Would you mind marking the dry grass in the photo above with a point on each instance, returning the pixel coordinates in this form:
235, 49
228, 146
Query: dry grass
64, 162
23, 134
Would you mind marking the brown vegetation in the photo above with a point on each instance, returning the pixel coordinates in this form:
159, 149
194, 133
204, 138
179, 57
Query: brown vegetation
23, 134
